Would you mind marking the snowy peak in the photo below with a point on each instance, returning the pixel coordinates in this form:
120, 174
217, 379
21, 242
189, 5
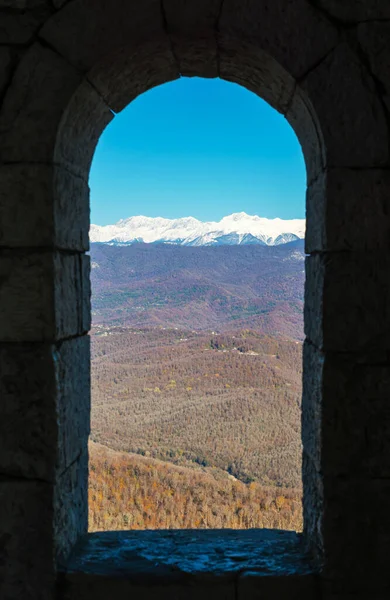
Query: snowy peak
235, 229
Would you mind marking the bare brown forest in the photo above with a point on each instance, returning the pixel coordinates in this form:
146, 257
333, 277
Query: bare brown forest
198, 424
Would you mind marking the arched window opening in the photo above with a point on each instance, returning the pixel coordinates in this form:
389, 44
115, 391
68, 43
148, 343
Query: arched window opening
197, 256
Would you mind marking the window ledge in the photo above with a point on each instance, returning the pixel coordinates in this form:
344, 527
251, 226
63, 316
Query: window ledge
185, 564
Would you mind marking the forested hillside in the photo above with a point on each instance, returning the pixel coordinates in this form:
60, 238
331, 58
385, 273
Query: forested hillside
230, 401
227, 287
196, 386
127, 491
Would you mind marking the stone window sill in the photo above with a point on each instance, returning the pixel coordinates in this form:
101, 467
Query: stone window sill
189, 564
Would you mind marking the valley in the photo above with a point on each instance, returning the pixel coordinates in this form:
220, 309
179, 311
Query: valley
196, 386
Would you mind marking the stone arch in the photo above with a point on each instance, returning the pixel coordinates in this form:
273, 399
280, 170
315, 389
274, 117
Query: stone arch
86, 62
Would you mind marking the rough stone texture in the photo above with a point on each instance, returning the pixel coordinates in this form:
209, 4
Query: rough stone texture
40, 90
69, 30
72, 294
54, 105
352, 11
348, 209
360, 138
79, 130
20, 27
26, 522
72, 362
44, 408
184, 564
44, 296
302, 117
192, 31
347, 303
70, 506
292, 32
375, 42
258, 72
346, 415
28, 414
293, 587
30, 218
5, 67
133, 70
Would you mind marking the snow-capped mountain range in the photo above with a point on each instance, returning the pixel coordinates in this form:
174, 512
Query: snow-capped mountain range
235, 229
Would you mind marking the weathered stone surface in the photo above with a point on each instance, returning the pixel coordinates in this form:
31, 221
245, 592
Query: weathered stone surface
26, 566
375, 42
28, 411
346, 415
44, 408
294, 34
133, 70
71, 33
84, 120
20, 27
5, 68
349, 209
192, 29
70, 506
313, 508
352, 11
356, 528
352, 119
291, 587
43, 296
26, 297
72, 362
183, 564
303, 119
40, 91
347, 303
72, 294
257, 71
43, 206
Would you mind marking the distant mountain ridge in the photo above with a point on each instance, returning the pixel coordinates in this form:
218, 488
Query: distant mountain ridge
236, 229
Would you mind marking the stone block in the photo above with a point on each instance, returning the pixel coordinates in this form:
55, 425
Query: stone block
349, 209
21, 25
303, 119
33, 105
72, 362
313, 508
192, 29
346, 415
85, 32
28, 409
26, 565
43, 206
70, 507
5, 68
84, 587
251, 586
294, 34
356, 527
196, 58
375, 42
347, 303
43, 296
353, 11
85, 118
255, 70
26, 297
352, 118
133, 70
72, 294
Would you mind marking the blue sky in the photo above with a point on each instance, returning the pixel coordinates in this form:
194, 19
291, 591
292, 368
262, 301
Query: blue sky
197, 147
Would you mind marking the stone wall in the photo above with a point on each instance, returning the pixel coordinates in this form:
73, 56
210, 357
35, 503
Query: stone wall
66, 68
